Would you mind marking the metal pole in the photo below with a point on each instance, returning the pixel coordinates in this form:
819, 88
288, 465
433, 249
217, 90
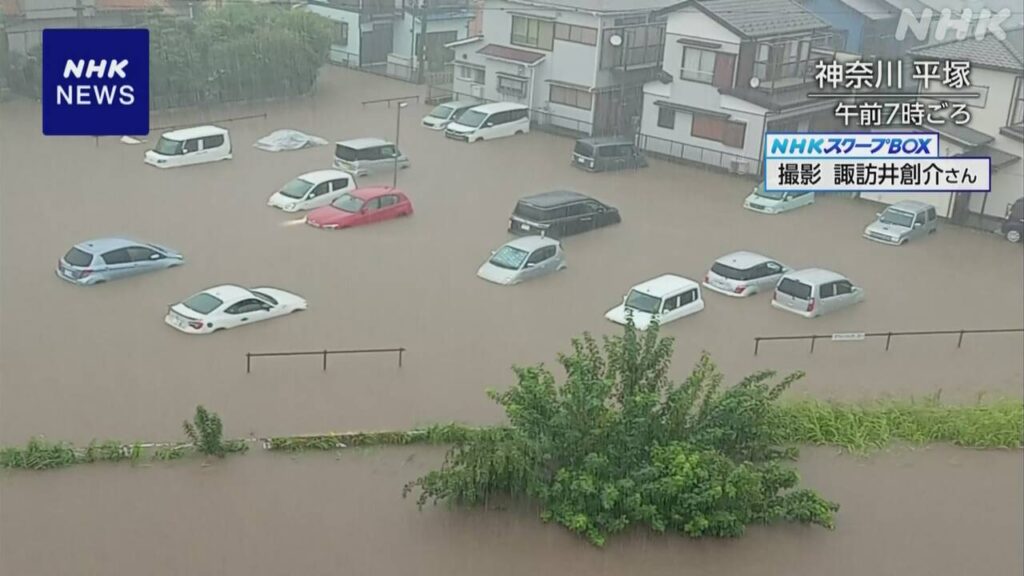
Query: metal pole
622, 82
400, 351
888, 339
248, 362
325, 360
398, 127
757, 343
813, 338
961, 340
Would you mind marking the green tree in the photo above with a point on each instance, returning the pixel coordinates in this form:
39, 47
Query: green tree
619, 443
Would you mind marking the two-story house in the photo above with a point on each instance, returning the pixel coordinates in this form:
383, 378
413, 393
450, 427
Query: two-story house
866, 27
995, 130
426, 28
734, 69
579, 65
25, 20
364, 30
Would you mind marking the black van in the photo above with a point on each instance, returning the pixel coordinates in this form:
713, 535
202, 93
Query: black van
1013, 226
607, 153
560, 213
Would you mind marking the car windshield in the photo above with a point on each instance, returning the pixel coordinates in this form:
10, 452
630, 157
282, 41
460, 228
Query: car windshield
730, 272
896, 218
795, 288
531, 213
77, 257
443, 112
509, 257
167, 147
643, 302
343, 152
296, 188
348, 203
265, 296
770, 194
584, 149
203, 303
472, 118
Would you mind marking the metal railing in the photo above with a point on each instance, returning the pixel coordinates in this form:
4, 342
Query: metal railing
323, 353
692, 154
859, 336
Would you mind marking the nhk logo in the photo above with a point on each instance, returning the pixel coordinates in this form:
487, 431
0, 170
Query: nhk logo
95, 82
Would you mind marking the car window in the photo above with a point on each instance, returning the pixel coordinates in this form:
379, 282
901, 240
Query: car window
843, 287
584, 149
827, 290
339, 184
794, 288
688, 297
319, 190
211, 142
190, 146
117, 257
141, 254
244, 306
389, 200
265, 296
387, 152
931, 214
593, 207
499, 118
203, 303
734, 273
542, 254
373, 205
532, 213
77, 257
577, 209
671, 303
772, 268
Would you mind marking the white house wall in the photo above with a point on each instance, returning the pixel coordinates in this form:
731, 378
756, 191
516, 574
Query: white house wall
346, 55
408, 29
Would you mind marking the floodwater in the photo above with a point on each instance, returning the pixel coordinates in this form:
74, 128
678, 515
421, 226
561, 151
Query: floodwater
939, 511
82, 363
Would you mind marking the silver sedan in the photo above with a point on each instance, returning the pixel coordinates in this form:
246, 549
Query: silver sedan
743, 273
522, 259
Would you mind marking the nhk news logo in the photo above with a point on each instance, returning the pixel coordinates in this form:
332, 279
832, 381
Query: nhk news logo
95, 82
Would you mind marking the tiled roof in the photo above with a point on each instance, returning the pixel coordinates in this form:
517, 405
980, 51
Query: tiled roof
761, 18
872, 9
988, 52
513, 54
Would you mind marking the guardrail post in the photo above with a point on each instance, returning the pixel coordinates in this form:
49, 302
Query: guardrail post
961, 340
325, 360
757, 343
888, 339
248, 362
400, 351
813, 338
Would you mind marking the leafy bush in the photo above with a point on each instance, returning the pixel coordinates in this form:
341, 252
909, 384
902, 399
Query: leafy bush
206, 434
620, 444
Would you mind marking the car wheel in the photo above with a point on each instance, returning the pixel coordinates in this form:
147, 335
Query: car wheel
518, 132
1013, 236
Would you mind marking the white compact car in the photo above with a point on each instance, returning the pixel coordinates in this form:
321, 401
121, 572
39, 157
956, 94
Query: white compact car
229, 306
190, 146
665, 298
743, 274
813, 292
312, 190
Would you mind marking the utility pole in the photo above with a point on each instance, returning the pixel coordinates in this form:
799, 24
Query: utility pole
423, 10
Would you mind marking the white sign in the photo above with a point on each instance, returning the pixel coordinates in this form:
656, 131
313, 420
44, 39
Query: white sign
957, 174
847, 336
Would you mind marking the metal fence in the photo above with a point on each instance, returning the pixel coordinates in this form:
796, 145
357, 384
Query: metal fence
698, 155
860, 336
322, 353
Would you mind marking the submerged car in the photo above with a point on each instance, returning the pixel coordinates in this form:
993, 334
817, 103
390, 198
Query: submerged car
1013, 224
104, 259
364, 156
229, 306
776, 202
361, 206
523, 259
901, 222
743, 274
197, 145
444, 114
607, 153
813, 292
560, 213
665, 299
312, 190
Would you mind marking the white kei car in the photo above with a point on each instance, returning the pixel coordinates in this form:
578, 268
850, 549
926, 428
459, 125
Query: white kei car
665, 299
228, 306
312, 190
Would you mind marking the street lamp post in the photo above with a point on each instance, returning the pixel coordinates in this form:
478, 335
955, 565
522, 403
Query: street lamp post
398, 127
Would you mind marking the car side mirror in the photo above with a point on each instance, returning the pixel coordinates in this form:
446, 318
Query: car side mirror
489, 125
917, 224
530, 264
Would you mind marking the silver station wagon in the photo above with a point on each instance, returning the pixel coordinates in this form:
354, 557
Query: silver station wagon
523, 259
104, 259
813, 292
902, 222
743, 274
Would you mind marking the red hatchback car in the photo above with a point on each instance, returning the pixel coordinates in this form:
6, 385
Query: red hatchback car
361, 206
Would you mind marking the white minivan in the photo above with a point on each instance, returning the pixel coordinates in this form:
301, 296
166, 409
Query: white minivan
190, 146
489, 121
312, 190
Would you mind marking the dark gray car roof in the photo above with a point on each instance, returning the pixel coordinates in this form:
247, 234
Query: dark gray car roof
554, 198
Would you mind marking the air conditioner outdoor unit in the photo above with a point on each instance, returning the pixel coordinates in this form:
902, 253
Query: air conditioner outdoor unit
737, 167
476, 91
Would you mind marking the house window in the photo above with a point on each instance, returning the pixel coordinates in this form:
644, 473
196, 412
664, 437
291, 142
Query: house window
720, 130
471, 74
510, 86
342, 37
533, 33
698, 65
578, 34
571, 97
666, 118
1016, 118
643, 46
781, 60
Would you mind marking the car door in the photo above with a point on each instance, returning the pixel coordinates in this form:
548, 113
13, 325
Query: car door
534, 265
671, 308
119, 264
827, 299
247, 311
690, 302
336, 188
544, 260
846, 294
192, 151
212, 148
318, 196
371, 211
932, 222
768, 275
145, 259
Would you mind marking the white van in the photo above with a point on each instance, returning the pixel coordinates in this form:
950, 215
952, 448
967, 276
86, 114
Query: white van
489, 121
362, 156
190, 146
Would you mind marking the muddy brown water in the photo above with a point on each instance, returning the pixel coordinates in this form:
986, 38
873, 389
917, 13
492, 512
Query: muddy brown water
98, 362
938, 511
